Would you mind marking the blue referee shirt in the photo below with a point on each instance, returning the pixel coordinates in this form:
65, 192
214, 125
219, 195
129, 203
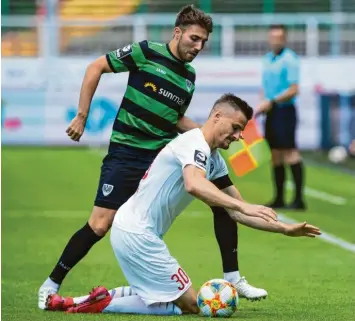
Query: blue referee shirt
279, 73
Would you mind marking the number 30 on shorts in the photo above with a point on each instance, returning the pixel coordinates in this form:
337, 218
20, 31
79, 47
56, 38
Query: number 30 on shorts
181, 278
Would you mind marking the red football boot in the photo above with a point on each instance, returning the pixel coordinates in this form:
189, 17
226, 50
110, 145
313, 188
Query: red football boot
55, 302
97, 301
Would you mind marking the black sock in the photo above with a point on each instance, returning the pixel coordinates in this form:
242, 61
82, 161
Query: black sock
279, 180
226, 232
297, 173
77, 247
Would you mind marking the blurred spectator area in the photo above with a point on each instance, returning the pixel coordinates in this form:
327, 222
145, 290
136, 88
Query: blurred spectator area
24, 41
95, 40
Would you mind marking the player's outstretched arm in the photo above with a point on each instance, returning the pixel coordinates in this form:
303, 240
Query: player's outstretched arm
197, 185
299, 229
91, 80
233, 192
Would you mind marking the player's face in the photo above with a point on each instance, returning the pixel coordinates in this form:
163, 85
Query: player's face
277, 39
230, 127
191, 42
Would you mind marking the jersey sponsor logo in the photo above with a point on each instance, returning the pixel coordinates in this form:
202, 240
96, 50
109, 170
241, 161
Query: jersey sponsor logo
188, 85
200, 158
150, 85
107, 189
171, 96
176, 99
123, 52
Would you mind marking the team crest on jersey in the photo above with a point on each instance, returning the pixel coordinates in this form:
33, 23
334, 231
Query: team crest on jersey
123, 52
188, 85
200, 159
107, 189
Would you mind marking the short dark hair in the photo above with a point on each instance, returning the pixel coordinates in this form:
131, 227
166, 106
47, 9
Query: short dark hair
189, 15
235, 102
278, 26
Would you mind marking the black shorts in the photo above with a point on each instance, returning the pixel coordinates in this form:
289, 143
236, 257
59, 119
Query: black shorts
280, 127
121, 171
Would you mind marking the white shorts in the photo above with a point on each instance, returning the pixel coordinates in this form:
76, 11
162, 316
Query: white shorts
148, 266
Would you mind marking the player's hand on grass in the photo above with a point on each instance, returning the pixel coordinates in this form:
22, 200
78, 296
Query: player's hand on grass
76, 127
266, 213
301, 229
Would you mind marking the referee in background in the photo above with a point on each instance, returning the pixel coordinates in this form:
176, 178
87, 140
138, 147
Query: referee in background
280, 79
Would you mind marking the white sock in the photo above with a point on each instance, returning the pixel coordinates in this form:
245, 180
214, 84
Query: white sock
49, 283
232, 277
135, 305
119, 292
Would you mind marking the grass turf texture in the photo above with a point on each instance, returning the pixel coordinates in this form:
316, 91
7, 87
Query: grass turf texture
47, 194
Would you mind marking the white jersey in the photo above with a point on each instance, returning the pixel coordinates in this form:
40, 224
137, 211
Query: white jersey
161, 195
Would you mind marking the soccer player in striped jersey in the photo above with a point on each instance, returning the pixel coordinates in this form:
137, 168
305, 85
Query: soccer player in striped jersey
160, 87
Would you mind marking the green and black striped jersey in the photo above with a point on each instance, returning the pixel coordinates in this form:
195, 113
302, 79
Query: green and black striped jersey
159, 90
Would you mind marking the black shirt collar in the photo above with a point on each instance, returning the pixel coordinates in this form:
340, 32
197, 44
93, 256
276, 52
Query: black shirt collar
177, 59
278, 54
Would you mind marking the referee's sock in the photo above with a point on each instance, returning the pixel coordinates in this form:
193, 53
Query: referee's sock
279, 180
226, 231
298, 178
77, 247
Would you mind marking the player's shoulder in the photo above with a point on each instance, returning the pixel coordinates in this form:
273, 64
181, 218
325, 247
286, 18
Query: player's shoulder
190, 68
158, 46
192, 136
152, 48
289, 54
268, 56
192, 139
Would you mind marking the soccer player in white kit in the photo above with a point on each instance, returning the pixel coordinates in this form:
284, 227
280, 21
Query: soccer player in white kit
181, 171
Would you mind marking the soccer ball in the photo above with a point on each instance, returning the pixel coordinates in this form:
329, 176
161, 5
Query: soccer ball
337, 154
217, 298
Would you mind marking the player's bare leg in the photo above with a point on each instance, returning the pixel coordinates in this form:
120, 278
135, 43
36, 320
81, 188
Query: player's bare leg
78, 246
101, 220
188, 302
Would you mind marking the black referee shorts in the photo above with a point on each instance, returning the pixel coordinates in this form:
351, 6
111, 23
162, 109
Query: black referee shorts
280, 127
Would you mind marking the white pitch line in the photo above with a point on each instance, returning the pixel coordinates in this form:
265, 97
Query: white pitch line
323, 196
324, 237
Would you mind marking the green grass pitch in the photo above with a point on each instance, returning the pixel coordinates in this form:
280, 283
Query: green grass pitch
47, 194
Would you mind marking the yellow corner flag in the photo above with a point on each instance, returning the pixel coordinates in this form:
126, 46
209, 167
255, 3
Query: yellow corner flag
248, 153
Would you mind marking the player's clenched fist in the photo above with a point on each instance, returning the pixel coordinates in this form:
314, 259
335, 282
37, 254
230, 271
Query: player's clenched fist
76, 127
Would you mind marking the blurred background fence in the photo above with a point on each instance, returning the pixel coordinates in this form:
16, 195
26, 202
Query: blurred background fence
46, 46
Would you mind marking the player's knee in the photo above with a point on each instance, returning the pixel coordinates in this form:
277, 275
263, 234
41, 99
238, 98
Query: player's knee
101, 220
276, 157
192, 307
292, 156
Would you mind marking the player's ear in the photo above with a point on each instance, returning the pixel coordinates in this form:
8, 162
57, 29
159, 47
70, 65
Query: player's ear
217, 116
177, 33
